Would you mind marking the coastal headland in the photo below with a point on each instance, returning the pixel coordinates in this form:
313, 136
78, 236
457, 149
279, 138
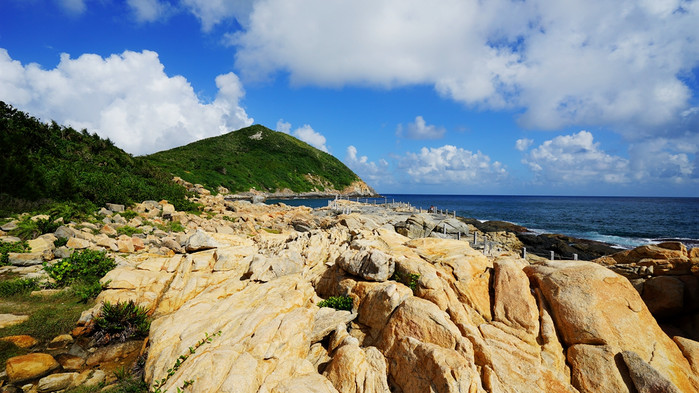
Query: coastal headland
352, 297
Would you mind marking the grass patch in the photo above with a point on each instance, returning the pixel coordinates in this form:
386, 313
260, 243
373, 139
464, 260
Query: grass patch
337, 302
17, 286
49, 316
128, 230
83, 270
274, 231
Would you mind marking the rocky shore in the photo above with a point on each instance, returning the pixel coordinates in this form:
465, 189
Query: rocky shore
430, 309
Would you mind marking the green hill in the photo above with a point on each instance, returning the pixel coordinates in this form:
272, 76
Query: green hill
48, 162
255, 157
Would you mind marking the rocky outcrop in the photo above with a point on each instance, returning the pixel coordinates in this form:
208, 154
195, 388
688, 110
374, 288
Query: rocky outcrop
428, 314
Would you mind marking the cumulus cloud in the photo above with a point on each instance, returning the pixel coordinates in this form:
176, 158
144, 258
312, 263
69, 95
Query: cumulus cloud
376, 174
127, 98
576, 159
580, 62
305, 133
148, 10
212, 12
523, 144
450, 164
420, 130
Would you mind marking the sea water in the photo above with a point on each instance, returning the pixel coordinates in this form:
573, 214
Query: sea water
623, 221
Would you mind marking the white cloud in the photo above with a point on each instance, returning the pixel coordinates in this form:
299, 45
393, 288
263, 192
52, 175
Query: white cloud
523, 144
420, 130
450, 164
579, 62
375, 174
73, 6
576, 159
148, 10
305, 133
283, 126
212, 12
126, 97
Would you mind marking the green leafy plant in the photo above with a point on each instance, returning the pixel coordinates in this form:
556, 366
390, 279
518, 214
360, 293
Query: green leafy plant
60, 242
128, 214
158, 385
8, 247
18, 286
87, 289
84, 265
337, 302
121, 321
409, 279
128, 230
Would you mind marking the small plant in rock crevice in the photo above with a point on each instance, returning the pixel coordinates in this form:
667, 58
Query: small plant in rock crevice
158, 385
120, 322
409, 279
337, 302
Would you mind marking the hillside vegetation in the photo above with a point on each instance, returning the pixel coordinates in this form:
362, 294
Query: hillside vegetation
49, 162
255, 157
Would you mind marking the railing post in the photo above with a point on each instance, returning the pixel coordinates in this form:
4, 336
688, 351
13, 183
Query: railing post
524, 252
552, 255
575, 257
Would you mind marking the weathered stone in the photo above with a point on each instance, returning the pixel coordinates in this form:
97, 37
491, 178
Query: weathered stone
8, 226
89, 378
64, 232
593, 305
115, 207
28, 367
368, 263
113, 352
62, 341
664, 295
417, 367
70, 362
108, 230
645, 378
11, 319
25, 259
326, 320
39, 245
357, 370
595, 369
77, 243
200, 240
56, 382
125, 244
690, 350
514, 304
22, 341
265, 269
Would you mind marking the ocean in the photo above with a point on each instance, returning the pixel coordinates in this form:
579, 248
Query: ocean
623, 221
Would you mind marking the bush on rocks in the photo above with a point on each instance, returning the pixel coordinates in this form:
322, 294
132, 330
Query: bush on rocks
121, 321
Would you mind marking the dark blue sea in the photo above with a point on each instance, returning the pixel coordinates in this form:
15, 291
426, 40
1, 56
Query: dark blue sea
623, 221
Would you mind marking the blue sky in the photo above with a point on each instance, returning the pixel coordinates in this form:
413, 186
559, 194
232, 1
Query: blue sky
461, 97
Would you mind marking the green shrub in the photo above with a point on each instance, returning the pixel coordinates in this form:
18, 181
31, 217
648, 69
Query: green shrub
6, 248
60, 242
121, 321
128, 230
18, 286
337, 302
84, 265
128, 214
87, 289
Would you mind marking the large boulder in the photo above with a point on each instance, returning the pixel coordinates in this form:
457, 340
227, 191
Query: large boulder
593, 305
27, 367
366, 260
